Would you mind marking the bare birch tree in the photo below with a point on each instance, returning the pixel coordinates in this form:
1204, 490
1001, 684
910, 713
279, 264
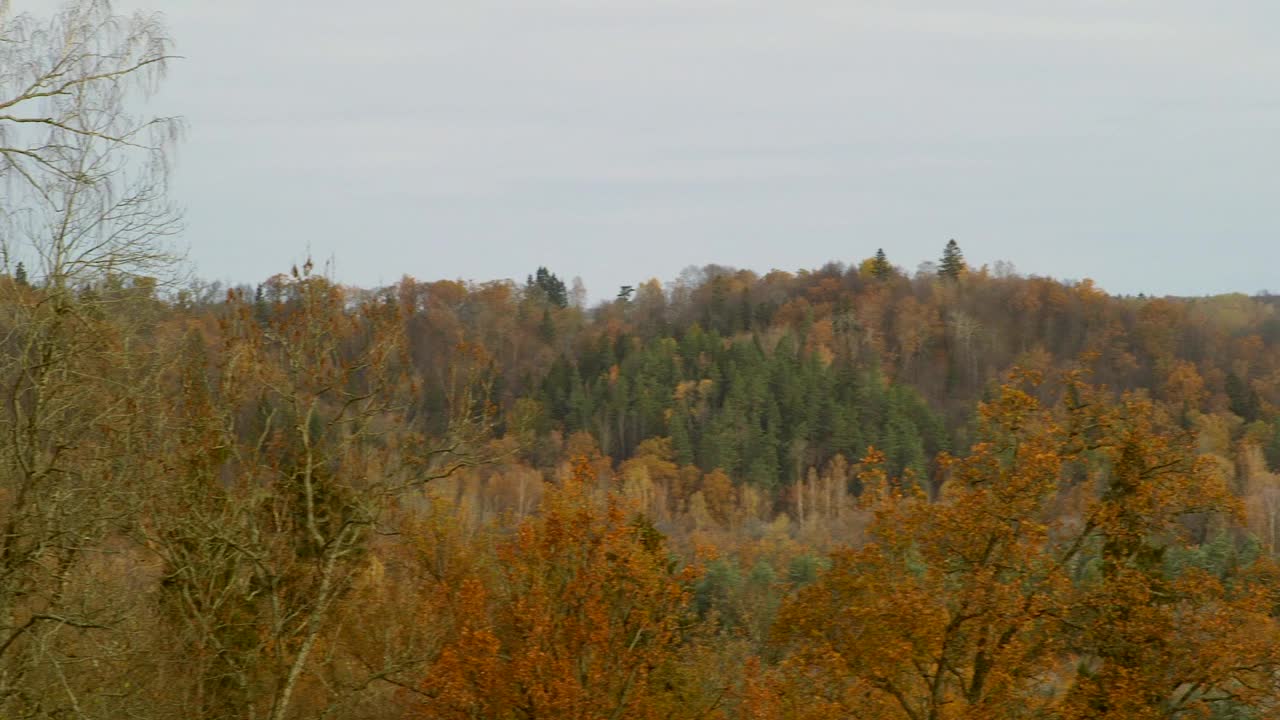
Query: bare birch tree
288, 469
83, 207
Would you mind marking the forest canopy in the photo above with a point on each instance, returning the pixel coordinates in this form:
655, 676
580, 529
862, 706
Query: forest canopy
853, 491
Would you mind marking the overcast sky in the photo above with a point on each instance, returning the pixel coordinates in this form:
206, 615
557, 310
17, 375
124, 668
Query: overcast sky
1136, 142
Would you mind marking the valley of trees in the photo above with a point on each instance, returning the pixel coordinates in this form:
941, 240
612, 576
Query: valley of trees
846, 492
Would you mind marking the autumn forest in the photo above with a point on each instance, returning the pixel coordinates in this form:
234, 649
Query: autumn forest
851, 491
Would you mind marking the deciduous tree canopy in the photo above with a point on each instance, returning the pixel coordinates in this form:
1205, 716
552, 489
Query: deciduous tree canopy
830, 493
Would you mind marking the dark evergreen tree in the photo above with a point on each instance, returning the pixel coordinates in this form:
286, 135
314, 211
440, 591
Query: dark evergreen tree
679, 432
903, 446
20, 274
952, 265
1243, 398
553, 392
261, 310
880, 267
1273, 447
552, 287
547, 328
581, 406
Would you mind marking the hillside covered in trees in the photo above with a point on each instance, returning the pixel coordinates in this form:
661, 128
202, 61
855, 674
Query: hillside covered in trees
851, 491
765, 377
846, 492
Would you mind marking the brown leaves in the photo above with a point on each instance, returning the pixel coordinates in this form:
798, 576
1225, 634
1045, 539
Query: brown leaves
994, 603
584, 622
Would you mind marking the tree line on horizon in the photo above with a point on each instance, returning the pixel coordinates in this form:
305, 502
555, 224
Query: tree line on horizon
437, 499
842, 492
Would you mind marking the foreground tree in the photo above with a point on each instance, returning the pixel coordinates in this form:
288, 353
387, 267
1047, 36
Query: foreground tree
1000, 602
69, 79
80, 401
285, 472
84, 216
1160, 628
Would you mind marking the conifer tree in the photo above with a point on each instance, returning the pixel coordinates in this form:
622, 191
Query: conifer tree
553, 287
952, 264
1244, 400
1273, 447
547, 328
880, 267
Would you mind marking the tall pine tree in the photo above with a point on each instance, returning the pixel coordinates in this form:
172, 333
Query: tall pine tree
952, 265
880, 267
553, 287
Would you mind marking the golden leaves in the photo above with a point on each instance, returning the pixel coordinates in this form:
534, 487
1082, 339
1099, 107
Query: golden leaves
993, 602
585, 618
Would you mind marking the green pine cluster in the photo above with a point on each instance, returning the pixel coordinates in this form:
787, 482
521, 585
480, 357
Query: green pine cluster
761, 414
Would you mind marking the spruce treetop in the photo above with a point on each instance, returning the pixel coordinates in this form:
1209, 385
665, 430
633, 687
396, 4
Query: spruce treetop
952, 265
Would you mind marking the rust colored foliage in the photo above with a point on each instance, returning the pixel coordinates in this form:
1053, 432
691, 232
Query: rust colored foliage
584, 622
1037, 586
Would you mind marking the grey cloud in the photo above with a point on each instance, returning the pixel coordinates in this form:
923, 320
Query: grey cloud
627, 139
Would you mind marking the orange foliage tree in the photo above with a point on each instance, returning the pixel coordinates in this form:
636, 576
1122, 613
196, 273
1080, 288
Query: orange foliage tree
584, 621
1039, 586
1156, 634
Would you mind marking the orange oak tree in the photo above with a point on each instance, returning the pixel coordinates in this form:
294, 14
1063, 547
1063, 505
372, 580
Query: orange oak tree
1038, 585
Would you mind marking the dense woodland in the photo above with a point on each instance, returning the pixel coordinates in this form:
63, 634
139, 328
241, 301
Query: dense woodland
855, 491
849, 492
